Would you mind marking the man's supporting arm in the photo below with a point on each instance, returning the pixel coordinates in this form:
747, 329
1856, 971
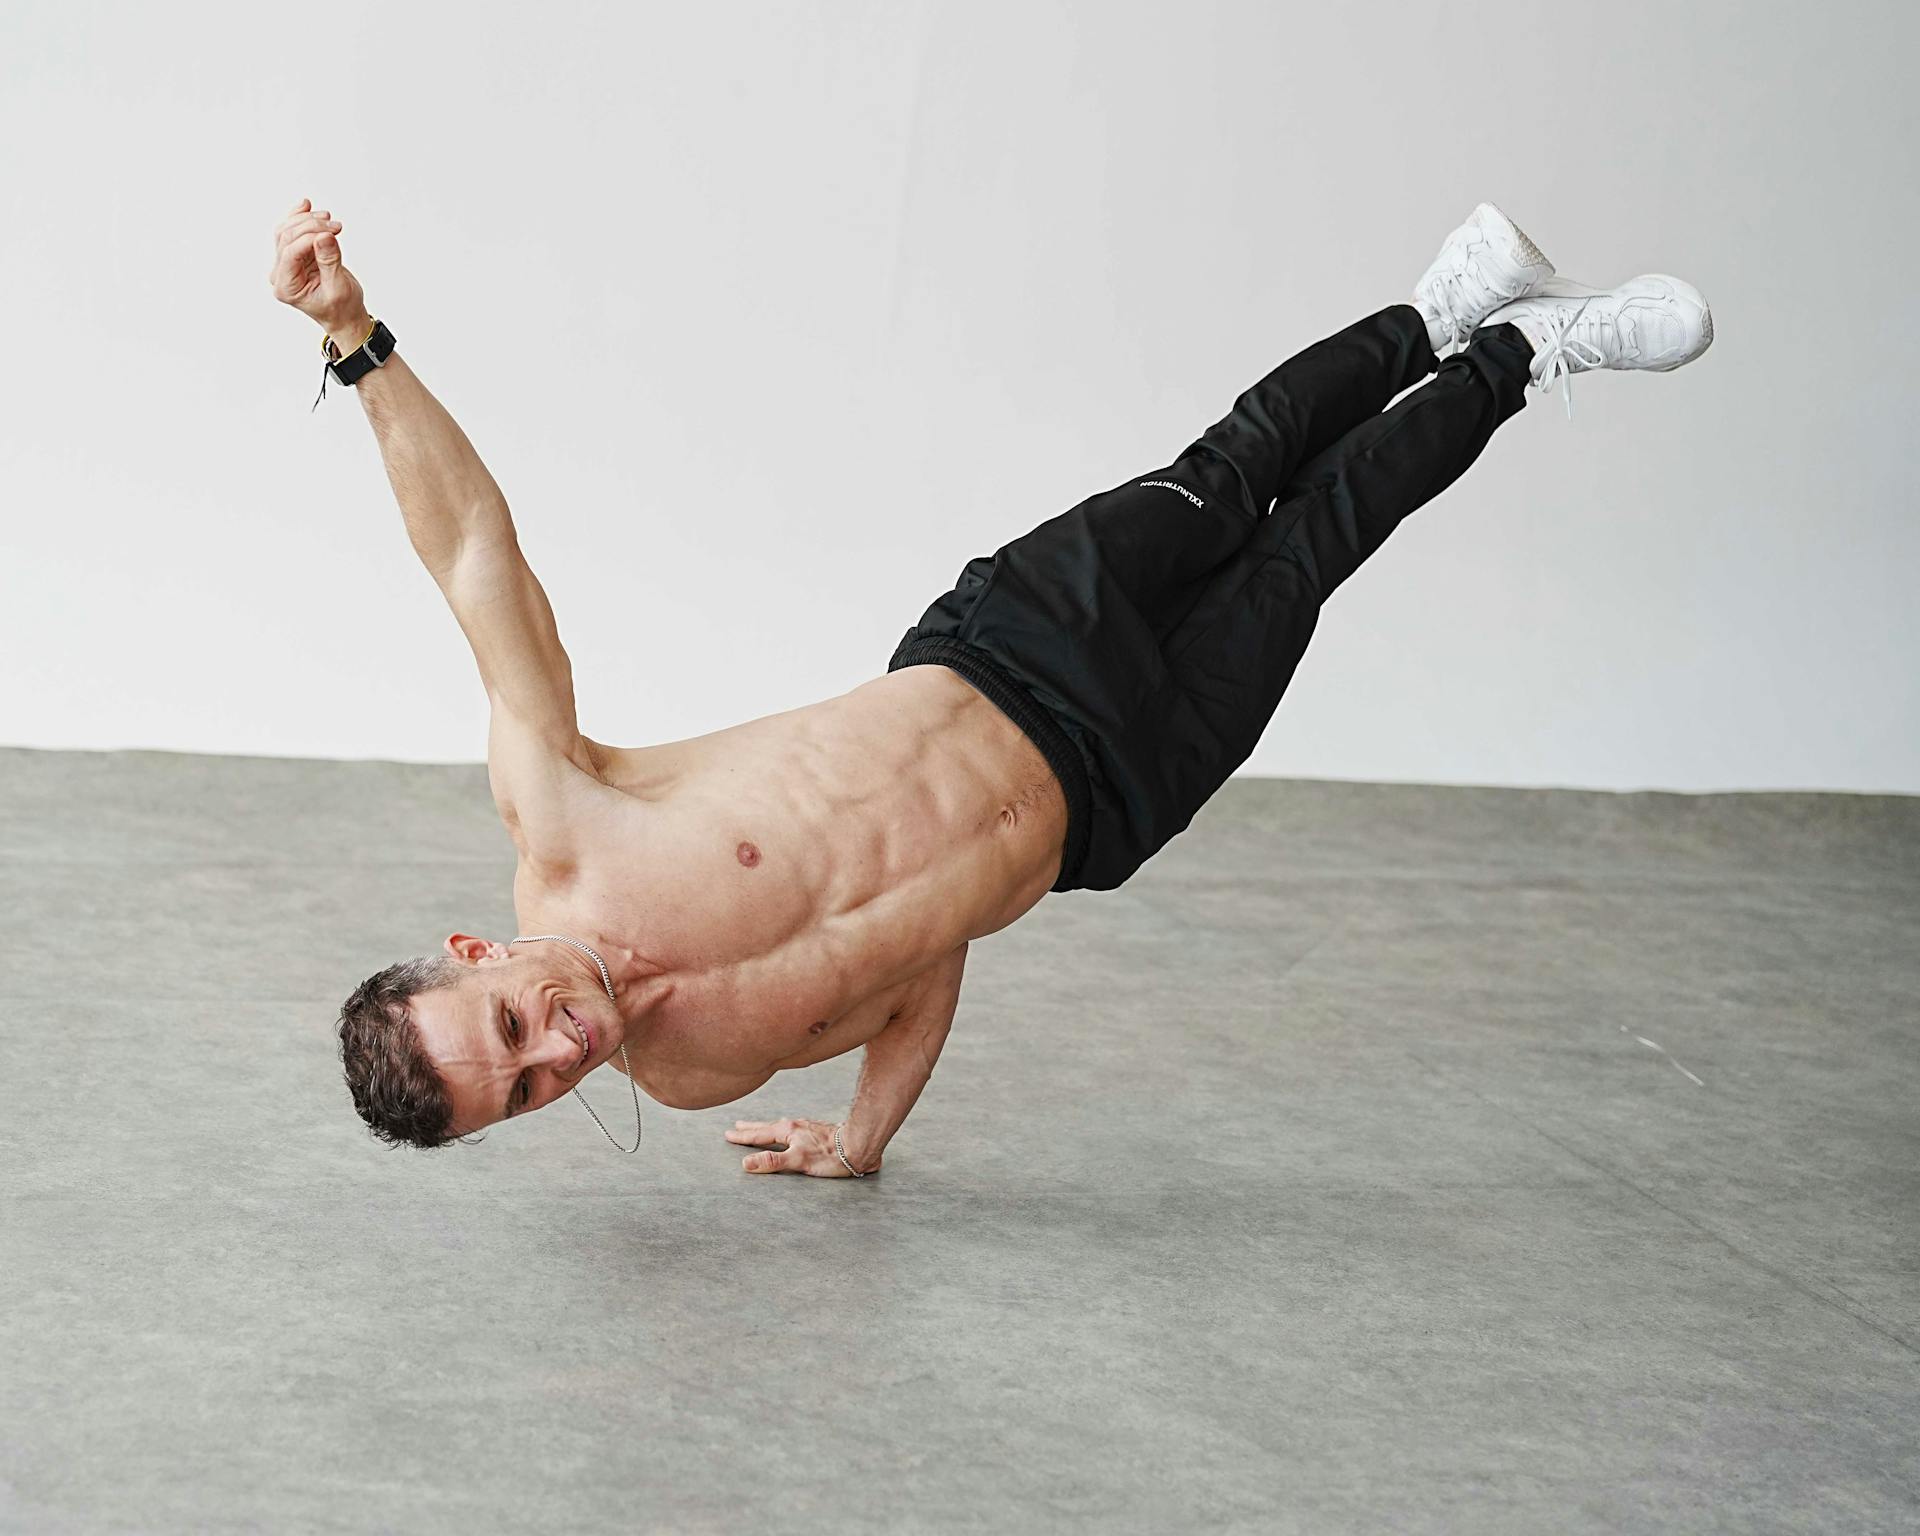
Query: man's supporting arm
899, 1061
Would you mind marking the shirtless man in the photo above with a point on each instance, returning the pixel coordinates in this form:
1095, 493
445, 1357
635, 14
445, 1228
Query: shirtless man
779, 892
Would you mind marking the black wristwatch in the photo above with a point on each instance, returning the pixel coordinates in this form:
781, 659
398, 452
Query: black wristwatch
357, 364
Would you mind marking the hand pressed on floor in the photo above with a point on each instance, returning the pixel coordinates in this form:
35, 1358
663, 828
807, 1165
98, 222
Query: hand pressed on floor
802, 1146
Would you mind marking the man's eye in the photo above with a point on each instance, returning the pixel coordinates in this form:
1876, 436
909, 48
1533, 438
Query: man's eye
513, 1028
526, 1090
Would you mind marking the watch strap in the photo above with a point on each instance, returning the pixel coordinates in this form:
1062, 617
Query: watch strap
369, 355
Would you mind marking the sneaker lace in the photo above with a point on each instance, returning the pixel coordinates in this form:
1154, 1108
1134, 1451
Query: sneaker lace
1564, 355
1460, 293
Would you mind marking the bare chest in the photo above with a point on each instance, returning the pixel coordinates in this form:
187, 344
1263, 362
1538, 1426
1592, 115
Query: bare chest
747, 968
723, 1053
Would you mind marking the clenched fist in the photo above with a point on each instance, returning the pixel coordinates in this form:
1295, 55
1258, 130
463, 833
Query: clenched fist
808, 1148
307, 272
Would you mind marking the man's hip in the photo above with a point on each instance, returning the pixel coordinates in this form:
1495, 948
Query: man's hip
1076, 631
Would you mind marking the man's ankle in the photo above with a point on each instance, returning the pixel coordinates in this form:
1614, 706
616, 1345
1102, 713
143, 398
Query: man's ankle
1515, 330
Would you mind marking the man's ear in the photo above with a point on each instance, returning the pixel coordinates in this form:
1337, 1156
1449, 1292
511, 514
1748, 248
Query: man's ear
464, 946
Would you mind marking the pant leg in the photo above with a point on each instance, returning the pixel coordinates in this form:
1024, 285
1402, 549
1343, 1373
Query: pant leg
1235, 653
1078, 613
1342, 504
1146, 546
1311, 401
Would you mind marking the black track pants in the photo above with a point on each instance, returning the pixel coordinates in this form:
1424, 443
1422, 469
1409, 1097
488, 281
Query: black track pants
1143, 639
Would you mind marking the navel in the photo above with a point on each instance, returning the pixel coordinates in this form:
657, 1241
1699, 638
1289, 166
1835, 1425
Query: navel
747, 854
814, 1029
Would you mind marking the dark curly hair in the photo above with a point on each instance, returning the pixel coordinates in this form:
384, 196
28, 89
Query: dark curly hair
395, 1085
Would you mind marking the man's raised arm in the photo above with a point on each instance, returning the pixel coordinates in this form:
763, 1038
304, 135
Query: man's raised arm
463, 532
447, 496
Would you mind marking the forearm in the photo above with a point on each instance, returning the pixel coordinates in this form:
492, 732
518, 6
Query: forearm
899, 1061
446, 495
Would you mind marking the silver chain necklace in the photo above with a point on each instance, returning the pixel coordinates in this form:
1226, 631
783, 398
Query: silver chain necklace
607, 982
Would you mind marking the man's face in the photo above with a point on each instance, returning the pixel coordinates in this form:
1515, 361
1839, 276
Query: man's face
509, 1038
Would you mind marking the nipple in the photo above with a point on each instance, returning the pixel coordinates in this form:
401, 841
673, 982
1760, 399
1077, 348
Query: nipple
747, 854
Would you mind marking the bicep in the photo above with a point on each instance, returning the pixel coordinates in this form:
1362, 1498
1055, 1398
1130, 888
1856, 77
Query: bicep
504, 613
941, 998
535, 752
926, 1011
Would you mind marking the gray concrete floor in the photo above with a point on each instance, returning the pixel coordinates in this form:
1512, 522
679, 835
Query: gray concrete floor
1383, 1157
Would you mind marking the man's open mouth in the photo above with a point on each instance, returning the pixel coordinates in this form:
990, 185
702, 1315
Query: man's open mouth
586, 1038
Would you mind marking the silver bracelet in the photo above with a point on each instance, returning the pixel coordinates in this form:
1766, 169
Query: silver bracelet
840, 1151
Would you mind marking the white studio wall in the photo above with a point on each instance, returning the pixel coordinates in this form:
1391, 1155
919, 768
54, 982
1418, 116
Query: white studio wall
767, 317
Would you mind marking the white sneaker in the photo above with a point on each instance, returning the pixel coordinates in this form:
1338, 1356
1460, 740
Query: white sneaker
1653, 322
1484, 263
